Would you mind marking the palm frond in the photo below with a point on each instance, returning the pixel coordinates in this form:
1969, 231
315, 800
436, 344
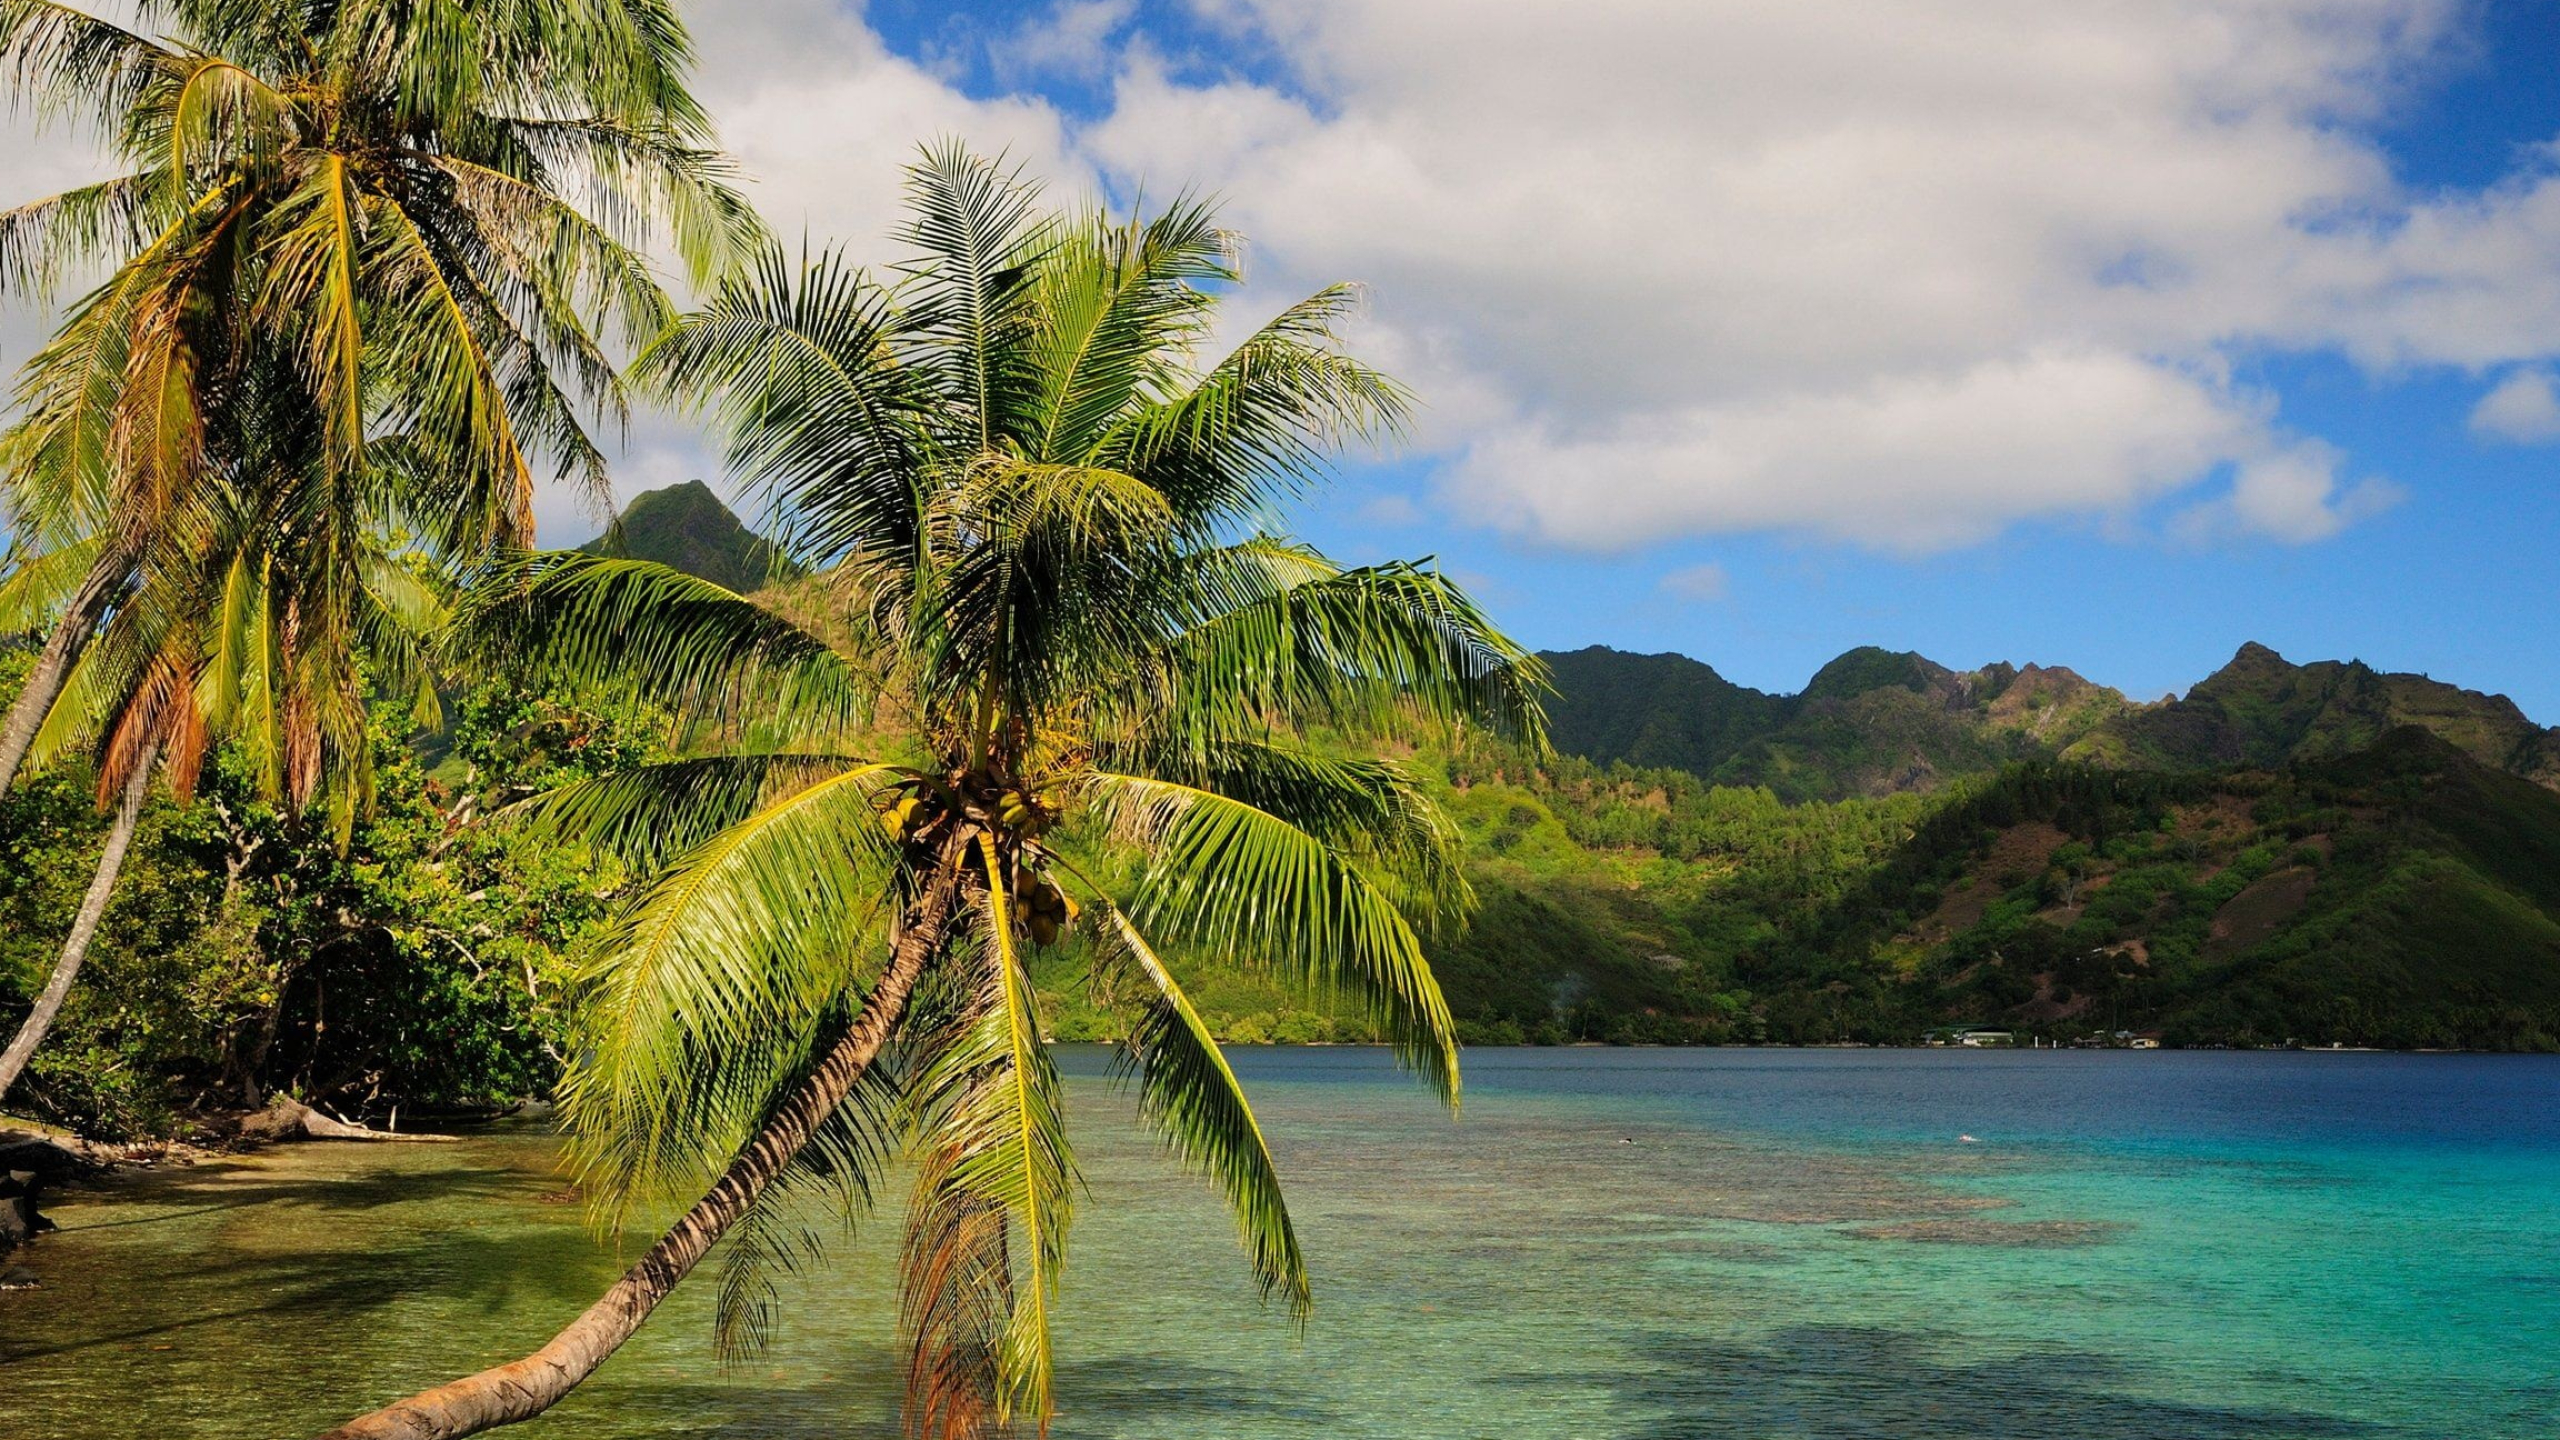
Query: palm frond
1283, 632
977, 231
633, 175
74, 64
816, 413
1191, 1095
37, 583
1228, 879
824, 1192
1370, 811
1121, 306
631, 625
1263, 424
996, 1164
703, 991
44, 240
645, 816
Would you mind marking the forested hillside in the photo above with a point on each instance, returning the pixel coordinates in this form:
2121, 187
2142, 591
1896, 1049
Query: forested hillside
1881, 722
2263, 710
1872, 722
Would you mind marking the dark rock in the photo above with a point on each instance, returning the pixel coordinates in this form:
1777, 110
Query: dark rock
26, 1167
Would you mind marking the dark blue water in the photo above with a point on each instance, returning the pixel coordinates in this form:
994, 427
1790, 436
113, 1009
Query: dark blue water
2107, 1098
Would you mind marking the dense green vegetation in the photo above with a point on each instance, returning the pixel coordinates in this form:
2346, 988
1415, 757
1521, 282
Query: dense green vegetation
2262, 710
421, 963
2403, 895
1876, 722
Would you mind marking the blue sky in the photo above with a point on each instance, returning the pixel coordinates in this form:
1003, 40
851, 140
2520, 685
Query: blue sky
2111, 336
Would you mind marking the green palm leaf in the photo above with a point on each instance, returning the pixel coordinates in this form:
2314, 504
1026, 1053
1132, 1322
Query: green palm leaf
827, 1189
1285, 632
1369, 811
996, 1163
1244, 885
705, 989
646, 816
637, 626
1187, 1090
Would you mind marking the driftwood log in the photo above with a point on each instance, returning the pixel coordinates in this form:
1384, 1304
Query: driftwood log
286, 1118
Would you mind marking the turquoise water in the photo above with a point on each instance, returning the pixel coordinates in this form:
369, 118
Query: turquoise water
1610, 1243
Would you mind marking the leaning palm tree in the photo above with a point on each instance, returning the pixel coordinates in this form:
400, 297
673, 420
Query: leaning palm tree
287, 614
1049, 695
435, 210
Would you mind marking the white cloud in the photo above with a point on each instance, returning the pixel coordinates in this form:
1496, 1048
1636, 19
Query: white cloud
1903, 273
2523, 409
1074, 39
1390, 511
1911, 461
823, 116
1898, 272
2293, 494
1703, 584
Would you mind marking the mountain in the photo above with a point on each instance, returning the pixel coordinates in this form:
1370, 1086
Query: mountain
2262, 709
686, 528
1878, 722
1872, 722
1653, 710
2314, 853
2403, 895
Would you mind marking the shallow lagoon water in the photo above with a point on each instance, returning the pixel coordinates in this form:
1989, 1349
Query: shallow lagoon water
1609, 1243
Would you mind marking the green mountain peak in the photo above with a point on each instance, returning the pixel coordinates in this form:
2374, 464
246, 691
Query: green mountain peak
686, 527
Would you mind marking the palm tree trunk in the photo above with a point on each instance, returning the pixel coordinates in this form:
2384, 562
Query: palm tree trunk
522, 1389
53, 664
84, 926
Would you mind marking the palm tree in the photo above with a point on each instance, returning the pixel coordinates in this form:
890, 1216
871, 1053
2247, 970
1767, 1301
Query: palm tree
271, 629
433, 211
1049, 600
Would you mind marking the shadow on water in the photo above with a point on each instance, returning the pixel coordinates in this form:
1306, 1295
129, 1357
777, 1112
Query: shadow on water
1132, 1387
1857, 1383
493, 1273
231, 1183
858, 1402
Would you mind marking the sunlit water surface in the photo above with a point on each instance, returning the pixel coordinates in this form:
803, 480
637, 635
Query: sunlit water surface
1612, 1243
